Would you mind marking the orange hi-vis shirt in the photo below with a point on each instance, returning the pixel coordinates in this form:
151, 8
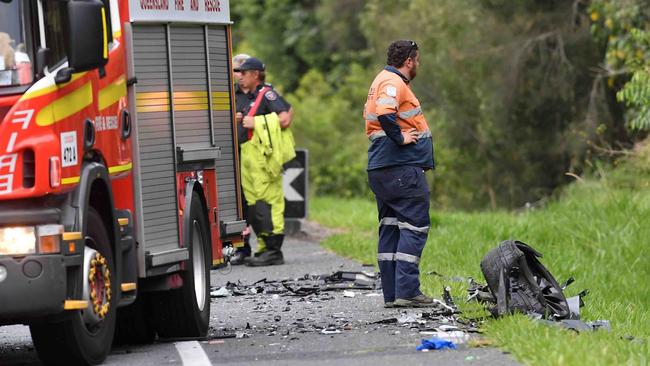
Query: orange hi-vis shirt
390, 94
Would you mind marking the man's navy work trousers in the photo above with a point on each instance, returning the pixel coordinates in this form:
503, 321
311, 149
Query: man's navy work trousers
403, 203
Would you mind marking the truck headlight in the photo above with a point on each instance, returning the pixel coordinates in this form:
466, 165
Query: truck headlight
23, 240
17, 240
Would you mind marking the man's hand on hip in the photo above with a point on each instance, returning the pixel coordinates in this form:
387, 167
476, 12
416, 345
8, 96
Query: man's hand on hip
410, 136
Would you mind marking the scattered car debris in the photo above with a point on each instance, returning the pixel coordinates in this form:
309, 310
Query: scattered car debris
579, 325
435, 343
305, 285
518, 282
456, 336
220, 292
330, 331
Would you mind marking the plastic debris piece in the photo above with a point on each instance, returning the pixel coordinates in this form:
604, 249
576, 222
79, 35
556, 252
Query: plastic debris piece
579, 325
330, 331
386, 321
221, 292
446, 295
348, 293
435, 343
456, 336
407, 318
574, 307
373, 294
241, 334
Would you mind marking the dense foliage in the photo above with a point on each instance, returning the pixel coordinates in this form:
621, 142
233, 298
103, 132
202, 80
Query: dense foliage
517, 93
624, 27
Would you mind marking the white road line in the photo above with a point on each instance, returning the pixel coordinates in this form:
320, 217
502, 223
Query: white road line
192, 354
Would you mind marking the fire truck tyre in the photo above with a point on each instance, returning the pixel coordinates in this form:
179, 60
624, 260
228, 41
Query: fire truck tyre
134, 322
185, 312
85, 336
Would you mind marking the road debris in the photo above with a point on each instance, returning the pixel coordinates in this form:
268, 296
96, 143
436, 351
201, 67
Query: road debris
435, 343
330, 331
306, 285
518, 282
220, 292
456, 336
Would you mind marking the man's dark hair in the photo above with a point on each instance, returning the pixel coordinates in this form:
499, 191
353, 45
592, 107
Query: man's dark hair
400, 51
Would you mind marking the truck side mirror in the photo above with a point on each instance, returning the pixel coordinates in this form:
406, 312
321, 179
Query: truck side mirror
87, 37
42, 58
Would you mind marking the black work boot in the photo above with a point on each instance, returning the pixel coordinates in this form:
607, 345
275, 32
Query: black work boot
271, 256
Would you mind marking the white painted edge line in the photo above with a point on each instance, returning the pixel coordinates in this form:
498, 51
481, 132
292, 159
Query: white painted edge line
192, 354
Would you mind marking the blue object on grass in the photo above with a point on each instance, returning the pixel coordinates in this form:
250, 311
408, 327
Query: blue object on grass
435, 343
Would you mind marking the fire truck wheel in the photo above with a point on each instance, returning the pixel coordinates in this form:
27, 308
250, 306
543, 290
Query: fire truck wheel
185, 312
85, 337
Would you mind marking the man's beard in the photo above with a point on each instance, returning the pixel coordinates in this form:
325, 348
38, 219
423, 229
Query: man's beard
412, 73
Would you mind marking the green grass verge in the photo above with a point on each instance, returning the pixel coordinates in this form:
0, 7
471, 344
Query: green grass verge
597, 232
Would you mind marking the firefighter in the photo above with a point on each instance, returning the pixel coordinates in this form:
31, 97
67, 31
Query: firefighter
262, 160
400, 151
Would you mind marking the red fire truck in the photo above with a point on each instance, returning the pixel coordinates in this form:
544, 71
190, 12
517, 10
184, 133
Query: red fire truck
119, 173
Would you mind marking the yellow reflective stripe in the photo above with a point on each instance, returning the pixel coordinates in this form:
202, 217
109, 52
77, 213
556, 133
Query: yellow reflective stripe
152, 102
70, 180
66, 106
155, 108
220, 101
105, 33
112, 93
183, 101
217, 261
111, 170
191, 107
35, 93
120, 168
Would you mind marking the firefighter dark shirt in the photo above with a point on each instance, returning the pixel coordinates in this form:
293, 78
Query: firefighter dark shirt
271, 102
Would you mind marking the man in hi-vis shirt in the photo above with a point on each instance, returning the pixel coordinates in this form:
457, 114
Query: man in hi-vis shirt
401, 150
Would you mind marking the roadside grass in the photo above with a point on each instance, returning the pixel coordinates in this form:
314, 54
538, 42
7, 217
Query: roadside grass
596, 231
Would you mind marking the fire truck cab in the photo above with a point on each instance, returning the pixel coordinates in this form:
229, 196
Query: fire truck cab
119, 170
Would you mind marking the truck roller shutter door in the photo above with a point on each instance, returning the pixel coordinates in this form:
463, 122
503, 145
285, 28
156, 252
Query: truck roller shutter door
222, 121
155, 139
189, 75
